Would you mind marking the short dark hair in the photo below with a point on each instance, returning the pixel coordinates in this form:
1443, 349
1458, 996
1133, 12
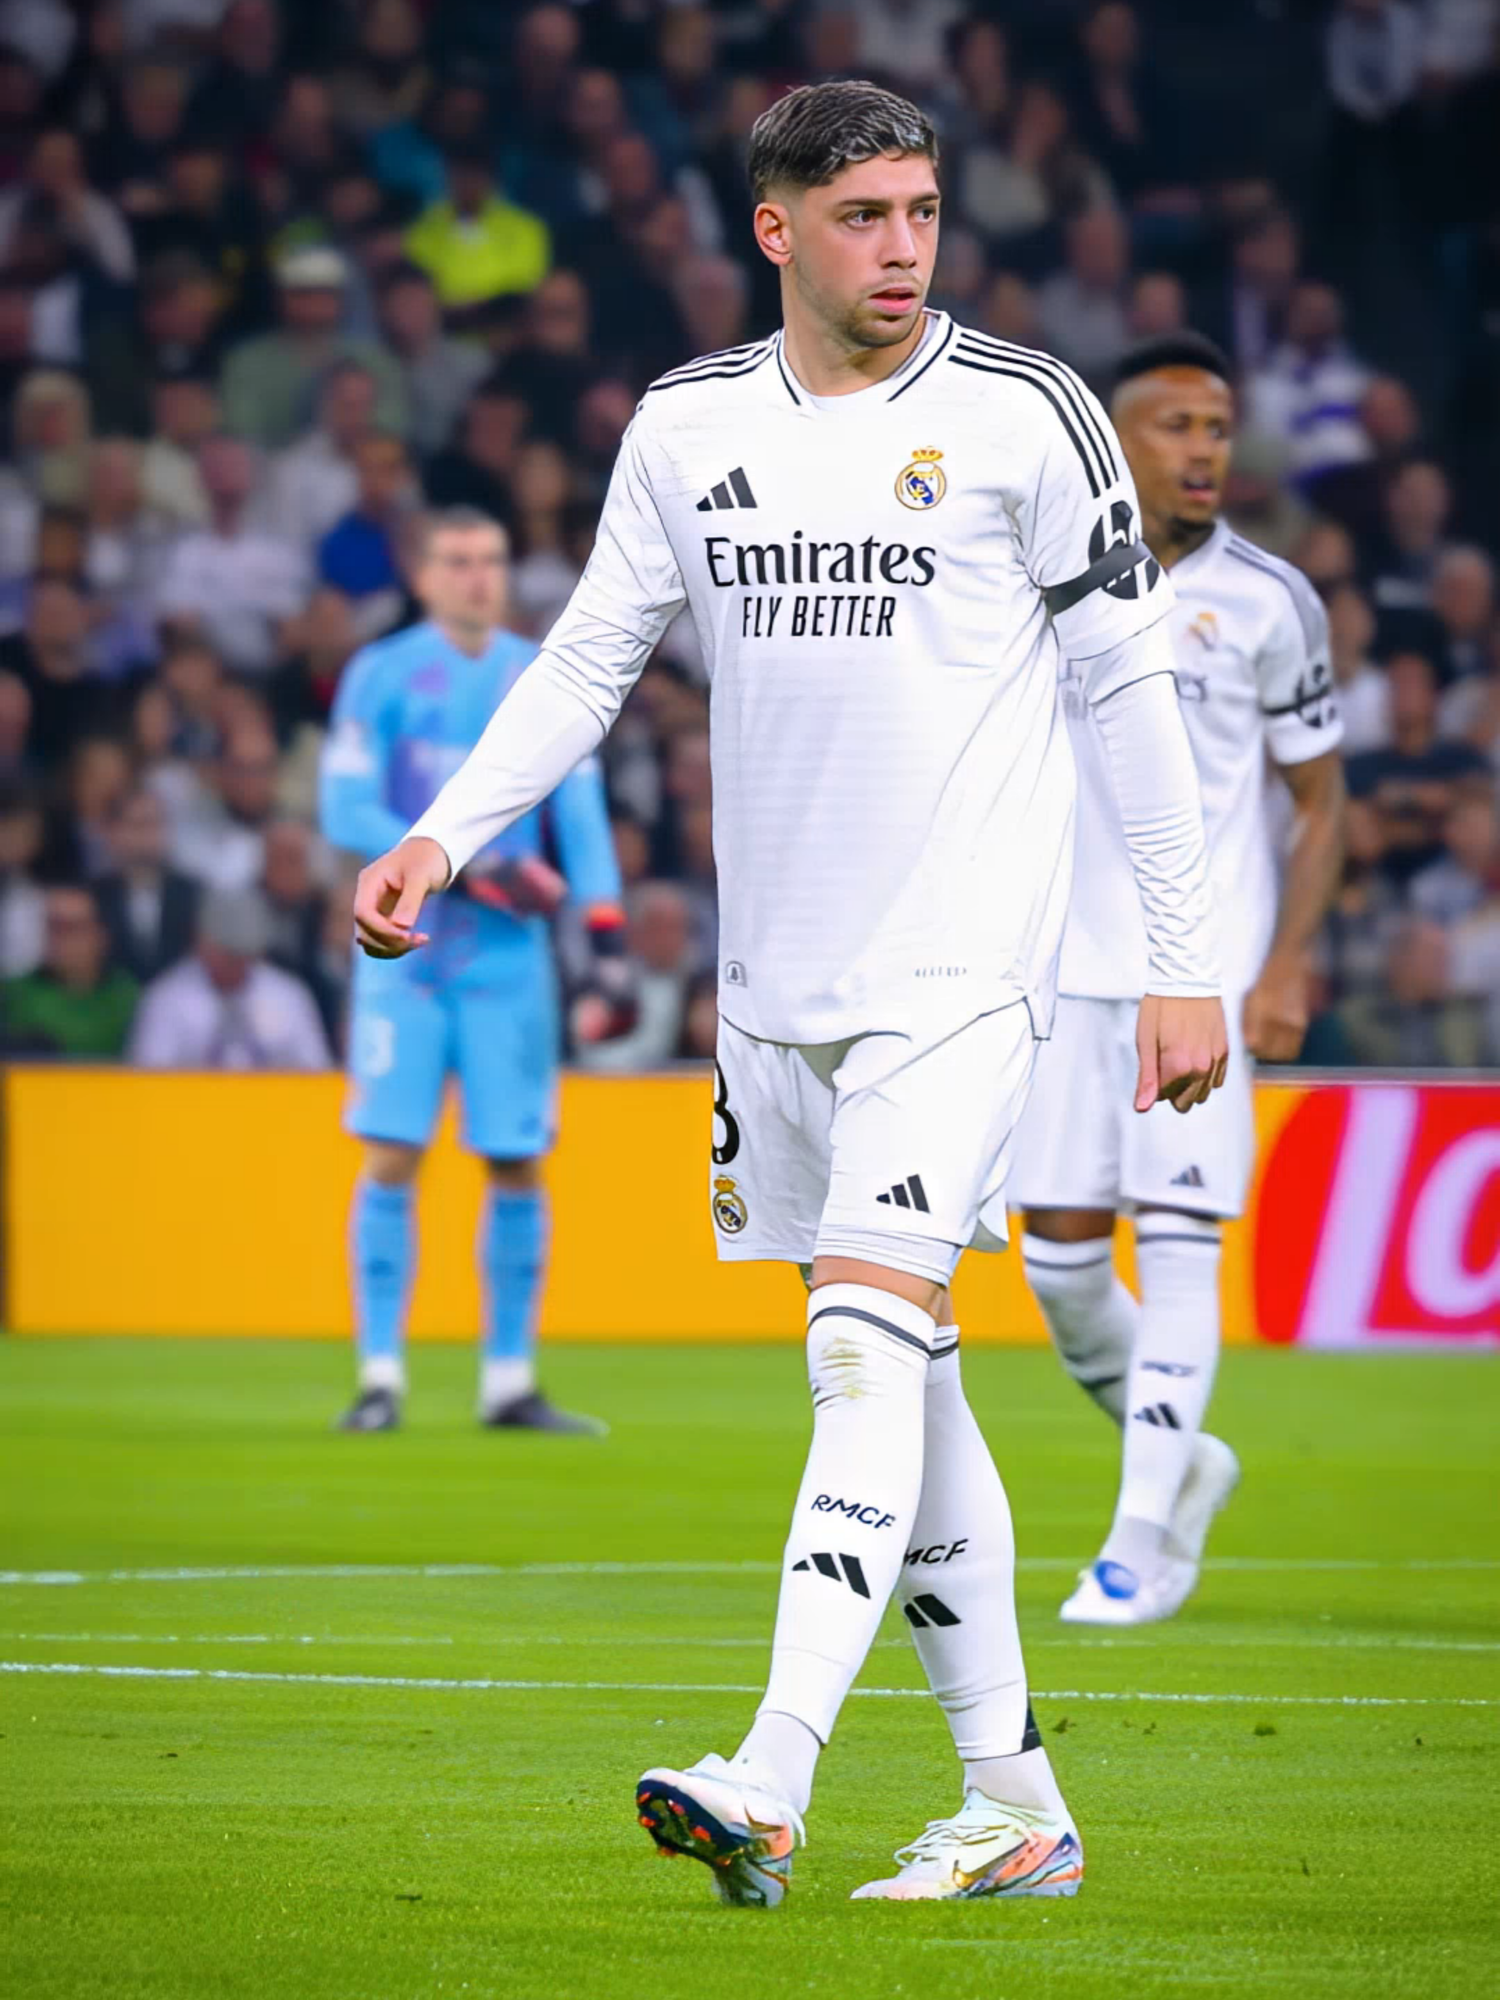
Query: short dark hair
808, 138
1172, 350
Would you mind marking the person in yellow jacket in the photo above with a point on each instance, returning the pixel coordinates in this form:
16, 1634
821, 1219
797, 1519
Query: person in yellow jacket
476, 245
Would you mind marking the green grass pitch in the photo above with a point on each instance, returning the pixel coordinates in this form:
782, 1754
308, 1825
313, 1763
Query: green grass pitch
382, 1746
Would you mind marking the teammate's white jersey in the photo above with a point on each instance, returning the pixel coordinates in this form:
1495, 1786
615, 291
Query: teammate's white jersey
880, 583
1250, 642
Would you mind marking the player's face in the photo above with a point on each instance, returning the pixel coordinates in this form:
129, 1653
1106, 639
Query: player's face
463, 577
1177, 427
860, 251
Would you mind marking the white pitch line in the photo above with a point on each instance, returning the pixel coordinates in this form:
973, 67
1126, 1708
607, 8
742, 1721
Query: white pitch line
486, 1685
244, 1639
293, 1572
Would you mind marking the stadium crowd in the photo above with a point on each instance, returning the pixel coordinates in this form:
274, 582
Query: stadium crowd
272, 278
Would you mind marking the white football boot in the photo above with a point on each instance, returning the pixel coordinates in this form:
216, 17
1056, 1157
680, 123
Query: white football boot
718, 1814
985, 1849
1110, 1594
1212, 1475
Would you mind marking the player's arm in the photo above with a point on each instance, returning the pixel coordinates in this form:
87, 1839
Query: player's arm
352, 811
1303, 732
556, 714
1108, 597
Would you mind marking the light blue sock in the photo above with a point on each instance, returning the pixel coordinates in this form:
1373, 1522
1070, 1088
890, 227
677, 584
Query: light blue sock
382, 1246
512, 1262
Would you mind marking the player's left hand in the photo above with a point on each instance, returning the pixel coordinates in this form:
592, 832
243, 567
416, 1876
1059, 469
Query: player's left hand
390, 893
1183, 1046
1276, 1011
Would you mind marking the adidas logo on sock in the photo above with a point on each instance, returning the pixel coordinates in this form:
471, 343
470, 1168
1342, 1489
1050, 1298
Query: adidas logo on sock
909, 1193
853, 1571
928, 1610
731, 492
1160, 1414
1189, 1177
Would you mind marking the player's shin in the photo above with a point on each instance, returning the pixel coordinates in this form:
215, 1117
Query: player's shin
957, 1592
867, 1361
512, 1263
1090, 1312
382, 1256
1171, 1376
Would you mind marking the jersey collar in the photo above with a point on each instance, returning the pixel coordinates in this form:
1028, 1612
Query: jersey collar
1206, 549
940, 332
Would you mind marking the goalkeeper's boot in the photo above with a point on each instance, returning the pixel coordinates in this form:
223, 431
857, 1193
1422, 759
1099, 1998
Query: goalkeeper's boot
721, 1815
985, 1849
372, 1410
532, 1412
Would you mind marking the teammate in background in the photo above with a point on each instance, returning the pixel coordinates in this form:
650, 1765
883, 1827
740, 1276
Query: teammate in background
482, 1002
1250, 643
883, 525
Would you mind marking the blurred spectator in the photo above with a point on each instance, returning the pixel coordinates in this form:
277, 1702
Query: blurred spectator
50, 426
314, 482
231, 581
16, 760
551, 365
1414, 781
1404, 558
1158, 305
660, 942
1411, 1020
1019, 171
1325, 555
1082, 308
386, 80
297, 905
1250, 320
1468, 875
146, 121
440, 374
237, 95
476, 471
149, 908
358, 555
22, 903
1257, 500
184, 411
542, 572
55, 194
1310, 388
127, 539
473, 243
1008, 310
225, 1007
98, 782
1125, 115
270, 379
1352, 493
700, 1030
223, 840
1463, 602
320, 644
1363, 690
713, 297
74, 1005
49, 655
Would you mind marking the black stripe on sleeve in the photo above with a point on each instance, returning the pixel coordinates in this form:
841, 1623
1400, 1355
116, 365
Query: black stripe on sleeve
1066, 381
1036, 382
711, 375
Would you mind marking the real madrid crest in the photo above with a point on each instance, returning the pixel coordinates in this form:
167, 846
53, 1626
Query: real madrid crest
730, 1212
922, 483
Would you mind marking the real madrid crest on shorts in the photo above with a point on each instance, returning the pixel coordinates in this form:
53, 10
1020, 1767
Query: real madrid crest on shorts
922, 483
729, 1209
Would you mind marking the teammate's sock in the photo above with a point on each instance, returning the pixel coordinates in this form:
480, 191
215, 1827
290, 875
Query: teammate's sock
867, 1358
1171, 1374
1090, 1313
958, 1595
512, 1260
382, 1244
786, 1750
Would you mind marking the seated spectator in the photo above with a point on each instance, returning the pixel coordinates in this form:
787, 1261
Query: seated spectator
659, 931
225, 1007
1463, 602
238, 92
231, 582
270, 379
90, 225
1468, 875
1403, 560
700, 1027
23, 907
297, 906
1158, 305
1258, 502
314, 482
1309, 390
1414, 782
176, 327
127, 547
97, 783
50, 656
75, 1005
1125, 115
1326, 557
1352, 493
474, 244
1082, 307
551, 365
542, 574
144, 122
149, 908
358, 555
319, 645
184, 411
51, 423
1250, 316
1414, 1018
440, 373
1363, 691
476, 470
1008, 310
713, 297
386, 80
1367, 912
1019, 169
16, 760
209, 216
222, 841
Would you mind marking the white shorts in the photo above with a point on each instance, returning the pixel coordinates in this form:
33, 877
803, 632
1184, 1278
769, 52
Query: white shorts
1082, 1143
879, 1146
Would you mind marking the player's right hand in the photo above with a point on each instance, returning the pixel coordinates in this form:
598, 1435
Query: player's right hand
389, 897
1183, 1046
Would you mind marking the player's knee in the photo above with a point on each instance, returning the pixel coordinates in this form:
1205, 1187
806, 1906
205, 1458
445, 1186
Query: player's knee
389, 1164
1069, 1225
514, 1176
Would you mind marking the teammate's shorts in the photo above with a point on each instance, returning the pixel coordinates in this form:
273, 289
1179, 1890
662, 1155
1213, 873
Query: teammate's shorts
879, 1137
410, 1031
1082, 1143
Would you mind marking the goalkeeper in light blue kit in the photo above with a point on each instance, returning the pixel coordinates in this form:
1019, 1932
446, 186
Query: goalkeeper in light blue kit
481, 1003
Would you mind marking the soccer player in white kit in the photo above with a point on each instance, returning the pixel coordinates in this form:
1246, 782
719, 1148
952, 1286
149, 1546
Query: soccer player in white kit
1250, 647
882, 526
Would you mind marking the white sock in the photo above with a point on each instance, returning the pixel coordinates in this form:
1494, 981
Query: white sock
784, 1749
501, 1382
383, 1371
867, 1355
958, 1595
1171, 1375
1090, 1312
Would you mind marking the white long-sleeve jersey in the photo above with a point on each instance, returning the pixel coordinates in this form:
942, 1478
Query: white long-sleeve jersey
880, 583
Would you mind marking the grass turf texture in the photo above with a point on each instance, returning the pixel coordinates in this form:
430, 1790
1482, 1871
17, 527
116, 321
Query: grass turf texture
377, 1841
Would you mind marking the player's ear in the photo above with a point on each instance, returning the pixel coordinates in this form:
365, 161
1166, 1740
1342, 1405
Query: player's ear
773, 230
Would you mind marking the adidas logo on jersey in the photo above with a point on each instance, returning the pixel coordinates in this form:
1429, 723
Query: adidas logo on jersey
731, 492
929, 1610
1189, 1177
1161, 1415
853, 1572
909, 1193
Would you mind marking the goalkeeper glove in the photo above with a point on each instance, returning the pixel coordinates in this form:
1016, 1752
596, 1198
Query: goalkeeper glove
607, 1005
